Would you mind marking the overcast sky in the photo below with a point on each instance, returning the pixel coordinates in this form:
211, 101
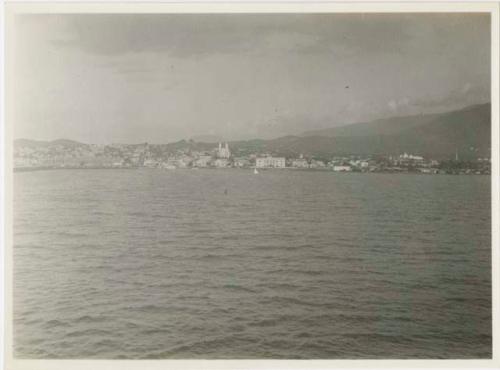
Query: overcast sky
161, 78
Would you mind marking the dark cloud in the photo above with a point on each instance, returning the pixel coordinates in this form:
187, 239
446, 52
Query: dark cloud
96, 77
187, 35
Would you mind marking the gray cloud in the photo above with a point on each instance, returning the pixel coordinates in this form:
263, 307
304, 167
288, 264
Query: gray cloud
157, 77
194, 34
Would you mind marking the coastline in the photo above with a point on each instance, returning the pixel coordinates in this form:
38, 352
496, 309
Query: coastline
36, 169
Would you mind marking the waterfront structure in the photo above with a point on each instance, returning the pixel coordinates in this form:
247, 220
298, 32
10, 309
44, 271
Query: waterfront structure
361, 164
342, 168
428, 170
315, 163
270, 162
300, 163
241, 162
170, 164
63, 155
202, 161
150, 163
184, 161
221, 162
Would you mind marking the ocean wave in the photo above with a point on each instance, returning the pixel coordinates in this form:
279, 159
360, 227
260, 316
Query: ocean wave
294, 301
239, 287
87, 333
269, 322
55, 323
87, 319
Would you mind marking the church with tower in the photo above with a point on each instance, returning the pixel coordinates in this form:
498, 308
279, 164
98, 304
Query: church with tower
223, 151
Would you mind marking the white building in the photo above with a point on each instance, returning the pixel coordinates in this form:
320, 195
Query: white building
342, 168
411, 157
300, 163
202, 161
360, 163
150, 163
428, 170
270, 162
184, 161
221, 162
241, 162
170, 164
315, 163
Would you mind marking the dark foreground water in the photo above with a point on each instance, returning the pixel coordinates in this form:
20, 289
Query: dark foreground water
287, 264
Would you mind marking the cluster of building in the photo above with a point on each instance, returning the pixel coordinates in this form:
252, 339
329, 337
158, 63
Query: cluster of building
155, 156
78, 155
220, 158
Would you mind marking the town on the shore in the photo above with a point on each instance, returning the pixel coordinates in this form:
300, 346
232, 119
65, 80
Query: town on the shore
61, 155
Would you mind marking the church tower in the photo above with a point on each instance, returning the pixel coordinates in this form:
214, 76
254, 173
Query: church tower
223, 151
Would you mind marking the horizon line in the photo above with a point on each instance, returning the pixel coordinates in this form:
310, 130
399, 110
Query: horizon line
221, 139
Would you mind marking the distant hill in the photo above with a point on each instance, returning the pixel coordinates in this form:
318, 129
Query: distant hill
207, 139
439, 136
28, 143
467, 131
385, 126
395, 125
40, 144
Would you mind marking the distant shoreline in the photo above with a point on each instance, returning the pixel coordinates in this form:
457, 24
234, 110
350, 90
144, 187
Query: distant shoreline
32, 169
35, 169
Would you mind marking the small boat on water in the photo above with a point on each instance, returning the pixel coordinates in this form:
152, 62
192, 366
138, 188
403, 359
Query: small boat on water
255, 172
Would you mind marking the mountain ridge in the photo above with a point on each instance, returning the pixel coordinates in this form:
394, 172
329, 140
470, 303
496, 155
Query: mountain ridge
388, 125
465, 131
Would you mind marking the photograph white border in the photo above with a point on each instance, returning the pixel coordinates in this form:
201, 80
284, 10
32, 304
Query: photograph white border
13, 8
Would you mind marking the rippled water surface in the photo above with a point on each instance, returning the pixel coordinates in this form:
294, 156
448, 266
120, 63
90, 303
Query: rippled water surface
287, 264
